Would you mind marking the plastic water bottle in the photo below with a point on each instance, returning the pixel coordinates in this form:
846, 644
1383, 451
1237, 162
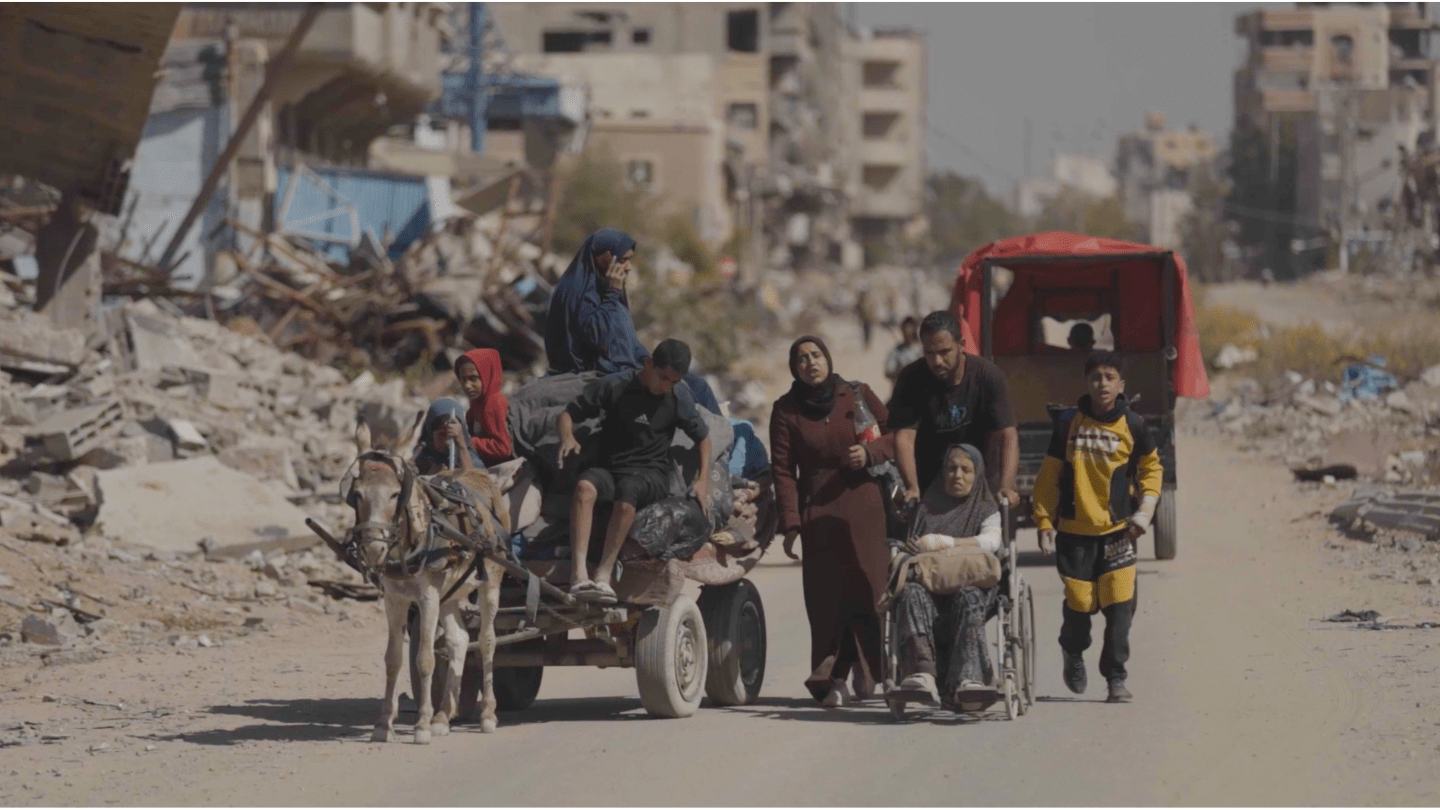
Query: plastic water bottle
867, 429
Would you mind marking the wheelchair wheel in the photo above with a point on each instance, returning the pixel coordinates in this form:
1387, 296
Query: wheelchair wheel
1012, 698
897, 709
1027, 624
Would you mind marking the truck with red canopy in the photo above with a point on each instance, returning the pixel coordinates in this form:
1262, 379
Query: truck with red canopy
1019, 300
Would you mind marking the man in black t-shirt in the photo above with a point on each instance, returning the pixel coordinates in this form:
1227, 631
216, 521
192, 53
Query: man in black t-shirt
946, 398
639, 413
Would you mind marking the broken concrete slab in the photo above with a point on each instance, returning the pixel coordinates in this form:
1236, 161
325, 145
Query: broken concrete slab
1368, 450
30, 339
171, 506
1329, 406
68, 435
51, 631
187, 437
266, 460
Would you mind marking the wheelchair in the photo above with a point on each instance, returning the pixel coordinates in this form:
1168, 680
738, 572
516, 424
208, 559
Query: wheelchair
1010, 629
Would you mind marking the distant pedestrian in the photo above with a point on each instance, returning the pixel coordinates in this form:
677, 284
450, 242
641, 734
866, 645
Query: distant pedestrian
907, 351
865, 311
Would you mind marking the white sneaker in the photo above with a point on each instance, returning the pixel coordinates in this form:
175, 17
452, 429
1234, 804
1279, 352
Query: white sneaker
837, 697
918, 688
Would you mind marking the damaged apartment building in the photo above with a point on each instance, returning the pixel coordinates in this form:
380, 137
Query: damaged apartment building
1155, 169
362, 143
732, 114
1354, 87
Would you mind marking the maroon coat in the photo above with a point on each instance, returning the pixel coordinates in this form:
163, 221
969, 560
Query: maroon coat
840, 514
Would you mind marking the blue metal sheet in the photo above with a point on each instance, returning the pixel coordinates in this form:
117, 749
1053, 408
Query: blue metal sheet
385, 202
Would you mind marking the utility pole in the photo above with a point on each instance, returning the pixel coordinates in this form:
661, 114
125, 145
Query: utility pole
1027, 149
479, 102
1345, 123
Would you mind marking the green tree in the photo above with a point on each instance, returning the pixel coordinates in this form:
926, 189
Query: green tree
1078, 212
1204, 231
1262, 196
595, 194
963, 216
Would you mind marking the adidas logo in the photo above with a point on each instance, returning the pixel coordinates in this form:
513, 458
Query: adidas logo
642, 419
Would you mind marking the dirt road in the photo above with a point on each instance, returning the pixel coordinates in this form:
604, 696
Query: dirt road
1242, 697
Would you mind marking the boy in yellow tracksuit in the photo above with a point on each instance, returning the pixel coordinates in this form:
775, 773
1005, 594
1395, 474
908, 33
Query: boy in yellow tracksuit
1098, 452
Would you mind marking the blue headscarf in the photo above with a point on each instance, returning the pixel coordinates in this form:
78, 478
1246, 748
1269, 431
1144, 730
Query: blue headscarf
589, 326
427, 458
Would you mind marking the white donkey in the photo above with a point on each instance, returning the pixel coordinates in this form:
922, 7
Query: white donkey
416, 565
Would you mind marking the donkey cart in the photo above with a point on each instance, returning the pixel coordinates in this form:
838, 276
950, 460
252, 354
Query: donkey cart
680, 648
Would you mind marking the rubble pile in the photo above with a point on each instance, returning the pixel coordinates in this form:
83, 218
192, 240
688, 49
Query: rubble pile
157, 478
1381, 432
469, 281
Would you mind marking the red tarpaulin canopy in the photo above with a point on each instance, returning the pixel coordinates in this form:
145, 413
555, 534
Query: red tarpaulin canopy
1132, 287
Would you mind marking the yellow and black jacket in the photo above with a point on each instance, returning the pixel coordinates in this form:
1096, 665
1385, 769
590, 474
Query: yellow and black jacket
1085, 481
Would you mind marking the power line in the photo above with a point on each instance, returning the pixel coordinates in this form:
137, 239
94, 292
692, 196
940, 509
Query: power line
971, 152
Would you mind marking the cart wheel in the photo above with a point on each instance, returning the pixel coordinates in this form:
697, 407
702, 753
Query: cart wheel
1165, 529
1027, 684
1012, 699
516, 687
671, 658
437, 679
735, 627
897, 709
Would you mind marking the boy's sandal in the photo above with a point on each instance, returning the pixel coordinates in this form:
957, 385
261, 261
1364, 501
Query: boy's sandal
597, 593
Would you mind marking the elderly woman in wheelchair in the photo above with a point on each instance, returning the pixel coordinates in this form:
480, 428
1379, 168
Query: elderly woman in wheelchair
941, 601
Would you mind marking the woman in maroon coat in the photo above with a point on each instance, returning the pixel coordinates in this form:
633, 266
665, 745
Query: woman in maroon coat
829, 500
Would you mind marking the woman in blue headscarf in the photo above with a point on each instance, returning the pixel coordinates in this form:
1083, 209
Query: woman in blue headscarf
444, 440
589, 326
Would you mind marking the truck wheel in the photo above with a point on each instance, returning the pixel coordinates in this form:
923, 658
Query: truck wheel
1165, 524
735, 627
671, 658
516, 687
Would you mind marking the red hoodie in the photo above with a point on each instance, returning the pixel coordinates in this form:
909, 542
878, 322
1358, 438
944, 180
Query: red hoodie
489, 433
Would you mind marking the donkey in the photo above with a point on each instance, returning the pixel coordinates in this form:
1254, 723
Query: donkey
393, 517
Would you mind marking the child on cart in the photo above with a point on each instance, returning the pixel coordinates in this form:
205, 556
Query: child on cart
629, 464
1098, 452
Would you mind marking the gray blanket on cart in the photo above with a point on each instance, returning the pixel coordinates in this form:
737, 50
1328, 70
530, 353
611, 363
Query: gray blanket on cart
534, 413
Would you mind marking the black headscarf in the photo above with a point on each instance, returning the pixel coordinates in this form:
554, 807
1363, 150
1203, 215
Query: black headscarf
940, 513
816, 401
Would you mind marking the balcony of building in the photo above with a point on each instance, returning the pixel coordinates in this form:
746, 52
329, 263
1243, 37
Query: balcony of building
362, 68
1287, 59
1283, 101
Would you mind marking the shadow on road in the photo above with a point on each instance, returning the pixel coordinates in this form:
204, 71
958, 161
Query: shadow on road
871, 712
299, 720
575, 709
1062, 699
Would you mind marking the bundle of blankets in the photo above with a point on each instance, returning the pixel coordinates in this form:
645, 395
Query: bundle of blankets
743, 515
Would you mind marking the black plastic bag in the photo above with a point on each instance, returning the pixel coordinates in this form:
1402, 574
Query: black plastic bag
674, 527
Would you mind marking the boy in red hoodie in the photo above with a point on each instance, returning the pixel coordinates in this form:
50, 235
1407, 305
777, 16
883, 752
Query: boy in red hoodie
478, 371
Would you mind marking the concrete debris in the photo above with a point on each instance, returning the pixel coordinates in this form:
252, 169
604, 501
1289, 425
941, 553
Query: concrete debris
53, 630
1416, 512
199, 498
187, 438
1231, 356
1431, 376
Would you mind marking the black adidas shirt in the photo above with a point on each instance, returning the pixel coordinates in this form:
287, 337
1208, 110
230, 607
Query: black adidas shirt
636, 426
944, 414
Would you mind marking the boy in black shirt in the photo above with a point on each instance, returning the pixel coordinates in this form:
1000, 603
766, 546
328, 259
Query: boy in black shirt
640, 412
947, 398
